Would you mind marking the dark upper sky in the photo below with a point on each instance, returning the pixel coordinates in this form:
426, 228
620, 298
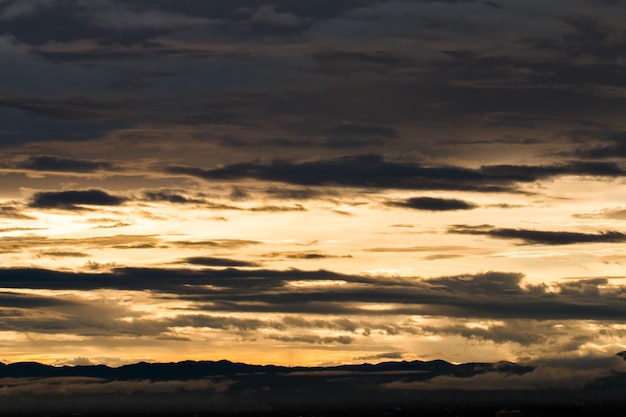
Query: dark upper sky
426, 80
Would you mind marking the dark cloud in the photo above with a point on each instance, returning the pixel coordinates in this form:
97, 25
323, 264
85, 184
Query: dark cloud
295, 193
599, 144
23, 127
10, 299
351, 143
387, 355
514, 120
60, 164
170, 196
349, 62
77, 108
308, 255
525, 173
498, 334
238, 194
433, 204
374, 171
212, 261
590, 38
358, 130
492, 295
74, 200
365, 170
540, 237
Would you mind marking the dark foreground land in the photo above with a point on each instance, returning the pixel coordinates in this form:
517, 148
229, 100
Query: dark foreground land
388, 389
486, 411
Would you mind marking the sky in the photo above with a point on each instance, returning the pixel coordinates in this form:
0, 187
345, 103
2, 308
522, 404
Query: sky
311, 183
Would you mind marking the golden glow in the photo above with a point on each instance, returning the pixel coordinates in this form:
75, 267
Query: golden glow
397, 243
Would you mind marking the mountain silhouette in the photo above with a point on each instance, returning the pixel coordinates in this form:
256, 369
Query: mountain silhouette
224, 386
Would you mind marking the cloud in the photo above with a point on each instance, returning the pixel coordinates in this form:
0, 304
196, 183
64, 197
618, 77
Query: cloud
267, 15
217, 243
342, 62
313, 339
283, 193
433, 204
305, 255
385, 355
494, 295
599, 143
21, 8
64, 254
23, 128
9, 211
74, 200
212, 261
549, 375
359, 130
170, 197
60, 164
11, 299
373, 171
31, 242
122, 18
364, 170
540, 237
70, 386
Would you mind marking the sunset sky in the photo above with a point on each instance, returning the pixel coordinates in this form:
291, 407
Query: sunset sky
312, 182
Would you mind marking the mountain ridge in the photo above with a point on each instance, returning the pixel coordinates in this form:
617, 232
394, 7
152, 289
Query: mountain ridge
190, 369
209, 386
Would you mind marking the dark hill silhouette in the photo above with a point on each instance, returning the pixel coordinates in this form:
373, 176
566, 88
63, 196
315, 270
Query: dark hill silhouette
189, 370
210, 386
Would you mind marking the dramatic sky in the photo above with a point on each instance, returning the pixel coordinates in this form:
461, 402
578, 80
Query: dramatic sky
311, 182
